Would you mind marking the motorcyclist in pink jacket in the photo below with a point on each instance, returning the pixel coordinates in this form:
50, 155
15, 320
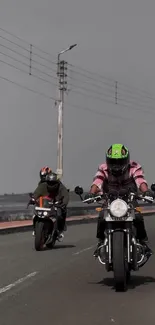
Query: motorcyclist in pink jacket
116, 173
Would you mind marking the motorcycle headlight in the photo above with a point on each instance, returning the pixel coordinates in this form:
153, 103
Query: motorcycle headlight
118, 208
45, 213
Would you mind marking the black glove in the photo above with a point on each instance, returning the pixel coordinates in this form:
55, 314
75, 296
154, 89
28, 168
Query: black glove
61, 206
149, 193
32, 201
89, 196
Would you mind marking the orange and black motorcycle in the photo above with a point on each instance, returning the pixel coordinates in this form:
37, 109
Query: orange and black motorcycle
44, 222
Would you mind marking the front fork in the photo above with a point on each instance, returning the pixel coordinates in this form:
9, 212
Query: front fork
50, 237
105, 256
134, 259
108, 251
128, 244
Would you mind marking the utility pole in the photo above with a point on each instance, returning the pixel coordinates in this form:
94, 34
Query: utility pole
62, 68
116, 90
62, 77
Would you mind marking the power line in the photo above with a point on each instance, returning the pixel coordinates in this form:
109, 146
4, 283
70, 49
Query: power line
92, 96
75, 91
14, 51
91, 78
138, 108
22, 40
91, 72
99, 76
51, 62
109, 95
49, 75
27, 65
135, 91
133, 88
94, 91
44, 65
28, 57
41, 57
99, 80
71, 104
29, 89
12, 58
14, 43
133, 95
28, 51
106, 113
25, 49
85, 89
96, 85
35, 76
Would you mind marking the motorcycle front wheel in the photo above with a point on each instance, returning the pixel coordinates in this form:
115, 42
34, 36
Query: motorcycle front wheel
39, 236
121, 274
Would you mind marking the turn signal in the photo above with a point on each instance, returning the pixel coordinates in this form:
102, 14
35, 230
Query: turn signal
138, 209
98, 209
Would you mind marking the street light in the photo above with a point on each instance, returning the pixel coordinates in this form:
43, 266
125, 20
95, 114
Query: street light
61, 75
66, 50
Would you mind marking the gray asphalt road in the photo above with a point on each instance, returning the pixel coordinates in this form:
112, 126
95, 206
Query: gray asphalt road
67, 286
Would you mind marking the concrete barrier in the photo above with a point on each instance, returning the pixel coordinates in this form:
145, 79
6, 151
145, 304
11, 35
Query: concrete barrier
15, 213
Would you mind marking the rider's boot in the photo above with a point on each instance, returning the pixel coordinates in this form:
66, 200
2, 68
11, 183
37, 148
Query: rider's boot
61, 236
96, 252
148, 250
33, 232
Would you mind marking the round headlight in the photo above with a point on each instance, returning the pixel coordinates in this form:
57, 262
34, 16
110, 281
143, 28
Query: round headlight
45, 213
118, 208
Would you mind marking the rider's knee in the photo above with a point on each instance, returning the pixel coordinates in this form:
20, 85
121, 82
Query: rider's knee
139, 217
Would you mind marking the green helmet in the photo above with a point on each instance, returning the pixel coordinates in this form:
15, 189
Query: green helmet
117, 159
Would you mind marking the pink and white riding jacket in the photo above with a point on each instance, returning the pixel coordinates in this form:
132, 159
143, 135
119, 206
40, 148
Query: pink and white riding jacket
133, 177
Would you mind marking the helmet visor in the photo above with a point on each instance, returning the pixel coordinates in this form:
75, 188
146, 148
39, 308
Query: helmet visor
117, 165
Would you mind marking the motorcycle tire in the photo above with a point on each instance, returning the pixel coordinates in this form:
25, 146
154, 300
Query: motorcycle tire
39, 236
119, 264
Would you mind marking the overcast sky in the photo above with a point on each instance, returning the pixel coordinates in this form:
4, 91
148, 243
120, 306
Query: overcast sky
115, 39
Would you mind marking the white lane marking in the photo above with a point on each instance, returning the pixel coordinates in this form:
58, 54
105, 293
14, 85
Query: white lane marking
83, 250
14, 284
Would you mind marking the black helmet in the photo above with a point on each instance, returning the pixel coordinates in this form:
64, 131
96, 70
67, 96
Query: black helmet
52, 178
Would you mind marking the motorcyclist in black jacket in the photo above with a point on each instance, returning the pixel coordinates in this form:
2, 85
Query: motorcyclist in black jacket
53, 187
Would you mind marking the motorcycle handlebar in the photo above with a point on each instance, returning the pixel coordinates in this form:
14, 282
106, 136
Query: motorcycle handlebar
148, 199
54, 203
94, 199
51, 204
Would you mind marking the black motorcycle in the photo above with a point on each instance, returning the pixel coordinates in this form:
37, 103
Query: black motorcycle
120, 252
44, 222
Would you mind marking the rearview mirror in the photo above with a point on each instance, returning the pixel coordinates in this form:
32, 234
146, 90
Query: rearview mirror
153, 187
78, 190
